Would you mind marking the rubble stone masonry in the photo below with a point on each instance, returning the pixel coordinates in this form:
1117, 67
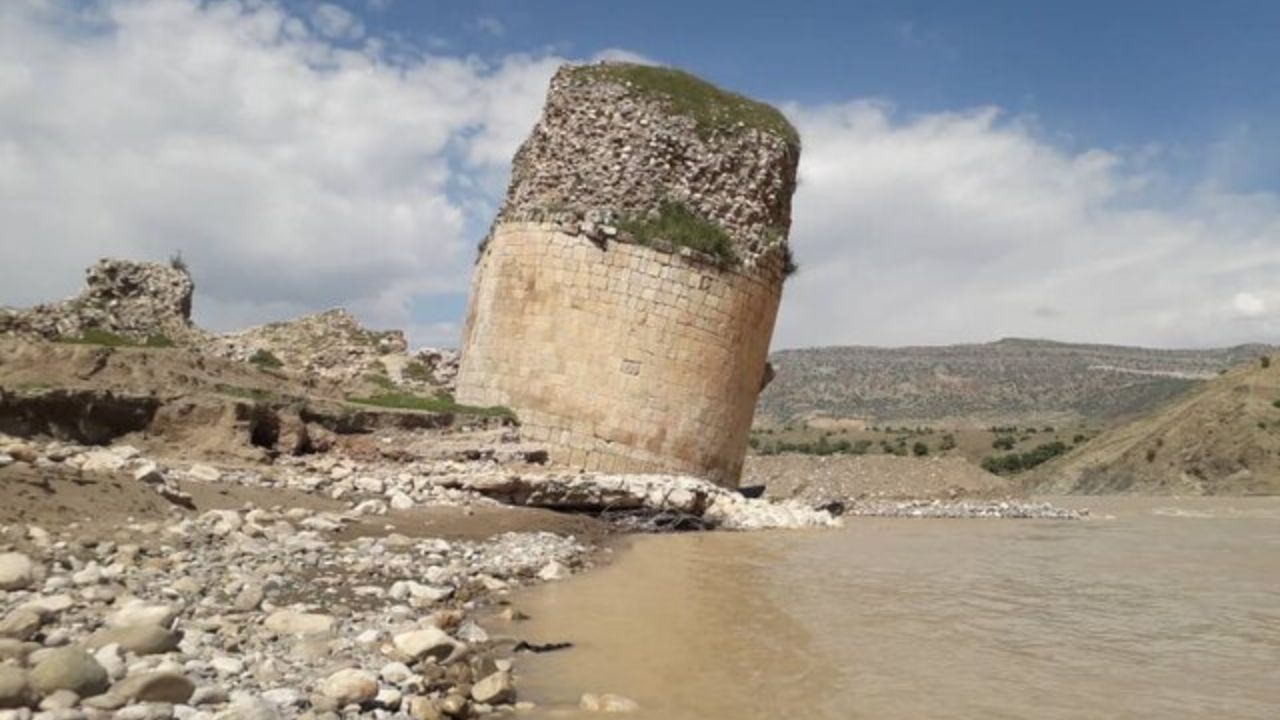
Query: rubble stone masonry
624, 356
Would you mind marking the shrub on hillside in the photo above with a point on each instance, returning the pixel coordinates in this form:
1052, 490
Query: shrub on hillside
266, 359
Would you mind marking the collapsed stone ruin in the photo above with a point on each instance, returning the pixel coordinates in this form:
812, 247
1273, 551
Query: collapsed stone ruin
135, 300
624, 300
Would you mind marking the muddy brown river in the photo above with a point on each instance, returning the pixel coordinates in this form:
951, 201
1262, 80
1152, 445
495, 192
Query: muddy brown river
1154, 608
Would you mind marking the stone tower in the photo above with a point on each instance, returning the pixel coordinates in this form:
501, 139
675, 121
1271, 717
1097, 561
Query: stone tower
624, 300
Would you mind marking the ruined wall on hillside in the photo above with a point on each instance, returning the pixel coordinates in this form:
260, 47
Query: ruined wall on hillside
623, 352
135, 300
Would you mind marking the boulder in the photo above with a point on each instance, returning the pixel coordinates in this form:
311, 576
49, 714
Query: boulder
426, 643
495, 689
137, 639
139, 613
21, 624
292, 622
15, 687
350, 687
17, 572
168, 687
69, 669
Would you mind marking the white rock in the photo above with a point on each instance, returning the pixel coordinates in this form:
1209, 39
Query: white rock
369, 637
554, 570
370, 507
423, 594
16, 571
208, 695
249, 708
396, 673
291, 622
91, 574
204, 473
428, 642
102, 461
112, 660
495, 689
224, 665
149, 472
321, 524
221, 522
350, 687
399, 500
6, 460
470, 632
389, 698
39, 536
370, 485
285, 697
140, 613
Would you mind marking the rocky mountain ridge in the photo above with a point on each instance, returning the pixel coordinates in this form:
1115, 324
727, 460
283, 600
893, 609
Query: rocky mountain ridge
1008, 382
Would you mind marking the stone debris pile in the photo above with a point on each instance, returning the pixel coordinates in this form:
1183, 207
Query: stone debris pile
253, 613
140, 301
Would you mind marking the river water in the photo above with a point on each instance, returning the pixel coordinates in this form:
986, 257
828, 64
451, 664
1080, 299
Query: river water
1154, 608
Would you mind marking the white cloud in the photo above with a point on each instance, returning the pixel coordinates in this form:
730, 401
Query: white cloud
962, 226
336, 22
1249, 305
299, 168
292, 173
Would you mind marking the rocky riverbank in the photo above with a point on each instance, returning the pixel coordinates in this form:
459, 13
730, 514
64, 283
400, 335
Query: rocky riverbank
323, 586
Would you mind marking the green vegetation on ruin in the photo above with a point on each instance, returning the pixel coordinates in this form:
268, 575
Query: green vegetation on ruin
713, 109
257, 395
94, 336
266, 360
680, 226
418, 371
440, 403
381, 380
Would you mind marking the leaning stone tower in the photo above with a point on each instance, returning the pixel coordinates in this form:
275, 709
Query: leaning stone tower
624, 300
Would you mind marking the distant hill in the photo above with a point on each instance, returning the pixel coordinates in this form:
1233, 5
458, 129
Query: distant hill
1221, 439
1009, 382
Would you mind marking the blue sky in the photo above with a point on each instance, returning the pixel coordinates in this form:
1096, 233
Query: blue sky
1105, 172
1176, 73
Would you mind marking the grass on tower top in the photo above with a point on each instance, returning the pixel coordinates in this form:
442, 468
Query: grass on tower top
682, 227
713, 109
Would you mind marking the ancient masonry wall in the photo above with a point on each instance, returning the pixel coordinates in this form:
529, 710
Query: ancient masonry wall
620, 357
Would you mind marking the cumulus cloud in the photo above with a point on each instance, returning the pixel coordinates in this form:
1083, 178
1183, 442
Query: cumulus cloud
297, 164
336, 22
966, 226
1249, 305
293, 172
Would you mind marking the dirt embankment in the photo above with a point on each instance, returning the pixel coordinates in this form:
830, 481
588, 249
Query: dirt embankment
1223, 439
178, 402
99, 505
814, 478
